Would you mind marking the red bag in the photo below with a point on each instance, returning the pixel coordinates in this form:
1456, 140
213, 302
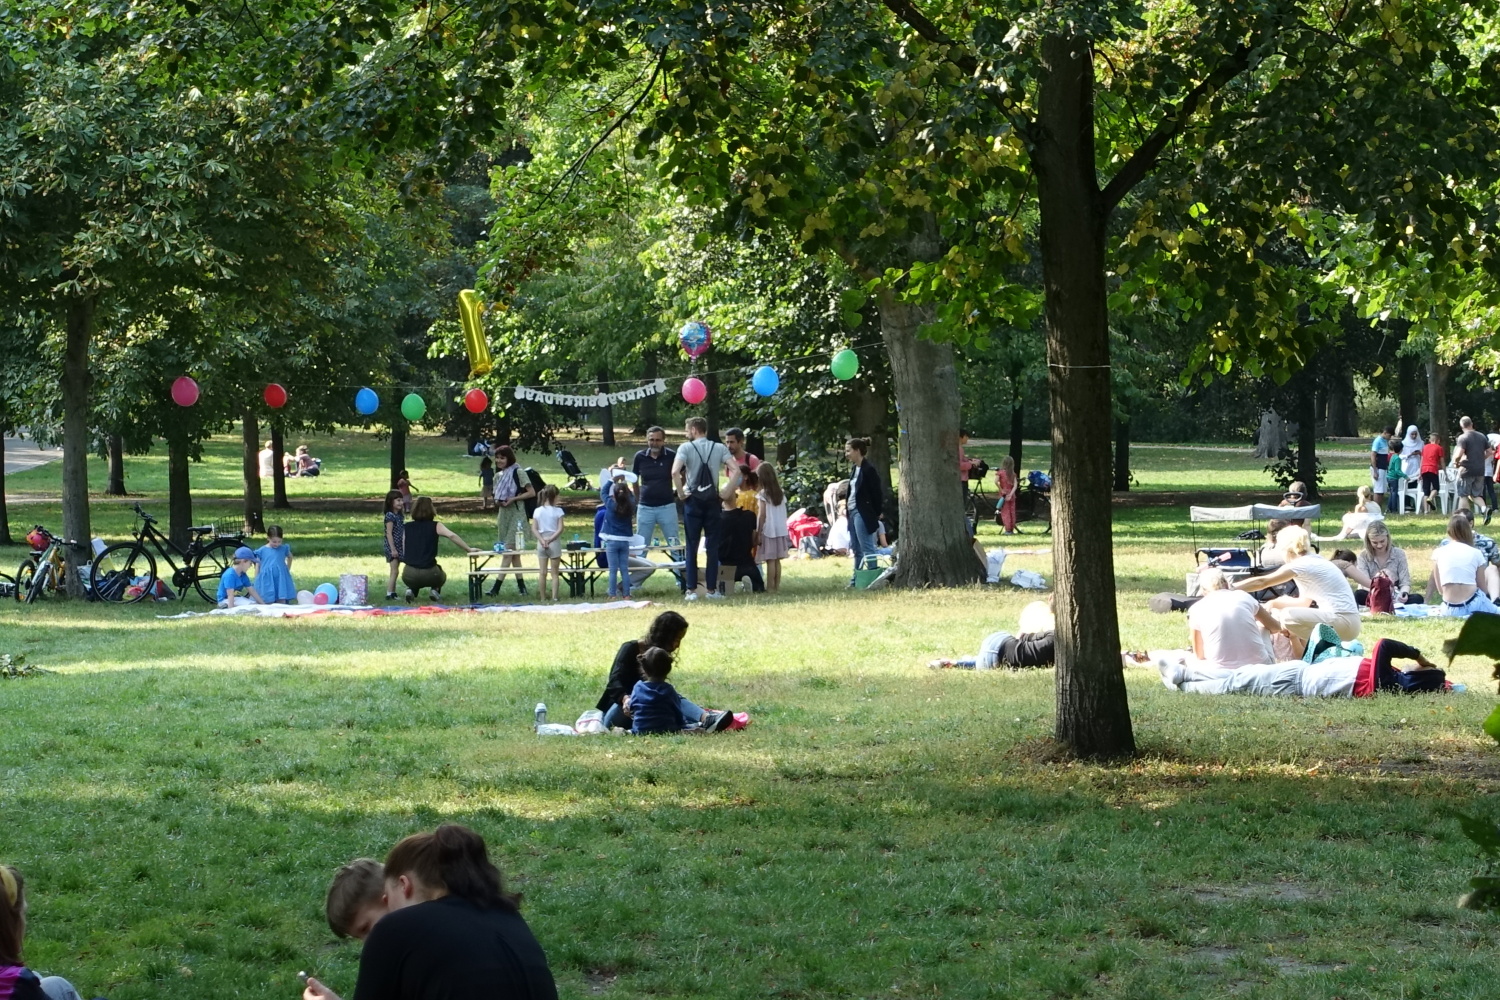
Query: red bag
1382, 599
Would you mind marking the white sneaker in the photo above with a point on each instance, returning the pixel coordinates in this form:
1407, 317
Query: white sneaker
715, 595
1172, 675
691, 595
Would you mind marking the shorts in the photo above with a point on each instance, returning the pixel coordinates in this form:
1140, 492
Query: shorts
1471, 486
552, 550
1430, 483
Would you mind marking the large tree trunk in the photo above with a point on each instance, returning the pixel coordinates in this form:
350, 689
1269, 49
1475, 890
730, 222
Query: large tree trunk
1437, 400
179, 486
1093, 710
935, 547
115, 448
76, 381
1343, 418
398, 449
1307, 443
1122, 453
606, 414
278, 471
5, 538
1017, 420
255, 505
649, 409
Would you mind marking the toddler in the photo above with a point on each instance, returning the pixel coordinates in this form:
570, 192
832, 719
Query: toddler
234, 583
394, 544
273, 576
655, 705
486, 482
356, 898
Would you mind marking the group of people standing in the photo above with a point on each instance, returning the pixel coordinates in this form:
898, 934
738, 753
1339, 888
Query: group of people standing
1472, 459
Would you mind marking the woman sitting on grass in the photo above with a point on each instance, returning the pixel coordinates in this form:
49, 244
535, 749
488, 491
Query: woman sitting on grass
1458, 570
16, 981
1379, 558
1324, 597
666, 632
452, 929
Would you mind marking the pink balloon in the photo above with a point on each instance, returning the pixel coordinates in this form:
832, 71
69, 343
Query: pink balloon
694, 391
320, 598
184, 391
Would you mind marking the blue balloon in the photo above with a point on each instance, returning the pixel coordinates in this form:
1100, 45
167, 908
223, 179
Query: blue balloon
765, 381
329, 589
366, 402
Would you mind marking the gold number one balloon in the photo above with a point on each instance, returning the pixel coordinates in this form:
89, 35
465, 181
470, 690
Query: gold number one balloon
469, 309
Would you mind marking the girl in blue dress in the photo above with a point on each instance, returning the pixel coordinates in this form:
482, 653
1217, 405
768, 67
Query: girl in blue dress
274, 578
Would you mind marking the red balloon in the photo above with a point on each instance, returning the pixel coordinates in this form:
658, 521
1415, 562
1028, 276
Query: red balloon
475, 401
694, 391
275, 396
184, 391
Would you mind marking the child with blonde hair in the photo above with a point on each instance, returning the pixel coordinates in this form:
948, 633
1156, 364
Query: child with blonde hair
1007, 483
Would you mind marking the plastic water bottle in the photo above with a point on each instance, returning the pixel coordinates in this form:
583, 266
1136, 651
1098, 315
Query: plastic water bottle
520, 538
541, 713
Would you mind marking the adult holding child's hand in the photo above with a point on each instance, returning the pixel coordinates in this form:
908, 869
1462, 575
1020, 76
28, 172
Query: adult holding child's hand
452, 931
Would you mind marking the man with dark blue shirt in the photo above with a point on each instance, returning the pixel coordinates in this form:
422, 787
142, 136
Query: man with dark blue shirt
656, 502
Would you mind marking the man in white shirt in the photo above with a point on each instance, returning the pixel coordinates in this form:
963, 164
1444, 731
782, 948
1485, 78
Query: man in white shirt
1229, 628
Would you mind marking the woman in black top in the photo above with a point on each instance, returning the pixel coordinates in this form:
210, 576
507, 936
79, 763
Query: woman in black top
666, 632
452, 933
421, 533
865, 498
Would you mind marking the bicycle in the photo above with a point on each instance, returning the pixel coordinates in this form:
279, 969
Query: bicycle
126, 571
43, 569
975, 497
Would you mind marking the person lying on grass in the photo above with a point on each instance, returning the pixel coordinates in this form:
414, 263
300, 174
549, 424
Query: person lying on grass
1335, 677
234, 583
16, 981
452, 929
356, 899
1032, 647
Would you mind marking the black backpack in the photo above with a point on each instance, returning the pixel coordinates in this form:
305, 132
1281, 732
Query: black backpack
537, 482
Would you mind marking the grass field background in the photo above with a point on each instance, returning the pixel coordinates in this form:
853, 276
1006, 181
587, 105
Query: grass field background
179, 791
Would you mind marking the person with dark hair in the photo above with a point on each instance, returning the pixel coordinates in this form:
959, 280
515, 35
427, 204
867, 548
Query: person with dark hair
619, 529
656, 707
512, 489
666, 632
656, 503
16, 981
734, 440
393, 543
737, 547
452, 932
422, 568
695, 472
865, 499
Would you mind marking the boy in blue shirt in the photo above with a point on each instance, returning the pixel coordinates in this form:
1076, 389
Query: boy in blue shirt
655, 705
234, 583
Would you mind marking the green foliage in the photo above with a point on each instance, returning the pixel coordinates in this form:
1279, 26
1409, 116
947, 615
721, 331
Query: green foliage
14, 665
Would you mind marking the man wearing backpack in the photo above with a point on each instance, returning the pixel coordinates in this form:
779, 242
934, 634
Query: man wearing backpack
695, 473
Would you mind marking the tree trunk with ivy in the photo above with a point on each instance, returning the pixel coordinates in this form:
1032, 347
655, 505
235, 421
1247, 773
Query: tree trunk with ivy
76, 382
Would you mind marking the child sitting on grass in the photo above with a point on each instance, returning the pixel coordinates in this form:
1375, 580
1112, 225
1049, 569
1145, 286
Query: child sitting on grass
656, 707
356, 898
234, 583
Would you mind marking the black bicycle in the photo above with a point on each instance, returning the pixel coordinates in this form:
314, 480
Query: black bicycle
126, 572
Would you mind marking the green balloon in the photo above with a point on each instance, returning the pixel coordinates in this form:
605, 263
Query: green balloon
413, 406
845, 365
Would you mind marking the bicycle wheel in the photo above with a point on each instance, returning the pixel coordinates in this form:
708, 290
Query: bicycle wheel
25, 573
210, 565
123, 573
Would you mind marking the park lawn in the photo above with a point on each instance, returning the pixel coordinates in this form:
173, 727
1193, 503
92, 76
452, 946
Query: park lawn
179, 791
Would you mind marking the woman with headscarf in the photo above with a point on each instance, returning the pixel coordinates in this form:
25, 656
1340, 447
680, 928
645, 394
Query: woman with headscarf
1411, 452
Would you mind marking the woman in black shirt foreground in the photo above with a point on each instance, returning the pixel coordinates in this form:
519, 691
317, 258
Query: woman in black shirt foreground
452, 933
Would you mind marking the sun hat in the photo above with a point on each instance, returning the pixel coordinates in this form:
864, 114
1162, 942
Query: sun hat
244, 552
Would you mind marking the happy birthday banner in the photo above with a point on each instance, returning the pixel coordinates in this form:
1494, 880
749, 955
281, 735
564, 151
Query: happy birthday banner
594, 399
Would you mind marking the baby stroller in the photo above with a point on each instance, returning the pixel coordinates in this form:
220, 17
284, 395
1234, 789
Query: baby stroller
577, 480
1034, 499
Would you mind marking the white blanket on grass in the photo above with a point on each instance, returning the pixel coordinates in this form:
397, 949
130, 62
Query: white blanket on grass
303, 610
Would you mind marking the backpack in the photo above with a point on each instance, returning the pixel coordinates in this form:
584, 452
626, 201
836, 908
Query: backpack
704, 480
1382, 599
537, 482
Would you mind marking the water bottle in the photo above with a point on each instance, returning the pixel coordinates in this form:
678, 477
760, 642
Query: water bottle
541, 713
520, 538
499, 547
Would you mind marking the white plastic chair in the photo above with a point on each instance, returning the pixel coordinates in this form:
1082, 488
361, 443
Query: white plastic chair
1411, 496
1447, 490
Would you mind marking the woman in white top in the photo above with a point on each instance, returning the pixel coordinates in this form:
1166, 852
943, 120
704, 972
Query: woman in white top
1411, 453
1319, 582
1357, 520
1457, 567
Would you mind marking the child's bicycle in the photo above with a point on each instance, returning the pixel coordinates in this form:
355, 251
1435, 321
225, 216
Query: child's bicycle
43, 569
126, 572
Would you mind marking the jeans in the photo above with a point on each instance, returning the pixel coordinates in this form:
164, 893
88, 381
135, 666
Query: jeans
617, 551
861, 544
703, 523
648, 519
58, 988
616, 717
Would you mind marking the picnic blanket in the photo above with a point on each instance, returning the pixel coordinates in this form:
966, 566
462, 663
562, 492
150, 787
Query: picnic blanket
366, 611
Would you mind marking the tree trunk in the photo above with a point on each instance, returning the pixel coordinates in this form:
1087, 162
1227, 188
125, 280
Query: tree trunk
1093, 709
1017, 424
278, 471
1437, 400
606, 414
711, 404
255, 509
76, 381
115, 448
179, 487
5, 538
649, 417
398, 449
786, 447
935, 547
1343, 417
1406, 390
1122, 453
1307, 443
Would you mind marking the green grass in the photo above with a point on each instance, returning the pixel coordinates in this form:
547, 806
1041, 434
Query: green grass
178, 793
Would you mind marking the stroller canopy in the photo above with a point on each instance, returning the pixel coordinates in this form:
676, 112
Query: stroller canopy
1255, 512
